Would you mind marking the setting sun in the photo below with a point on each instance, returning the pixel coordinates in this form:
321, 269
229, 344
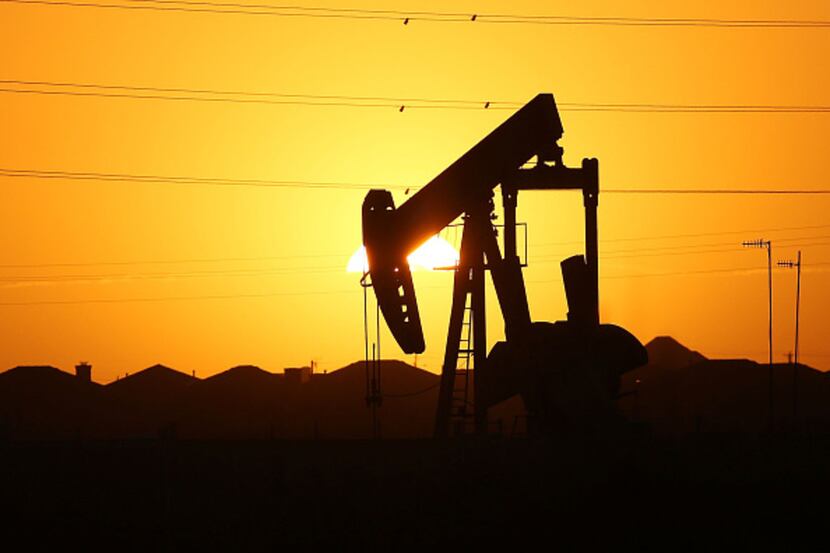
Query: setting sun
435, 253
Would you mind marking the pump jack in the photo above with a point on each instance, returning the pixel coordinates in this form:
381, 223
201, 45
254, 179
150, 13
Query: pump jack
566, 372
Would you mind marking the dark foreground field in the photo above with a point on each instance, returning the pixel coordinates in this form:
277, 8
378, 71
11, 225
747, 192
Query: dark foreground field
710, 492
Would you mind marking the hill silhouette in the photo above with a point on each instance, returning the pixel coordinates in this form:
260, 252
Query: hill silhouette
666, 352
680, 392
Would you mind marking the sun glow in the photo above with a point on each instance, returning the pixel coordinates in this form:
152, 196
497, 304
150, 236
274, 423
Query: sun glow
435, 253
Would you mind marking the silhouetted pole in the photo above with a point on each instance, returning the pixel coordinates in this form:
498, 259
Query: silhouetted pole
590, 197
797, 264
761, 243
365, 285
374, 396
797, 304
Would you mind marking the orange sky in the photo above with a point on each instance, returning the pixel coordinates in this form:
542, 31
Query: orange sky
301, 304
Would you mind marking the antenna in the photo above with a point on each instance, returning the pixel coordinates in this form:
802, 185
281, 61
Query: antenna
767, 244
789, 264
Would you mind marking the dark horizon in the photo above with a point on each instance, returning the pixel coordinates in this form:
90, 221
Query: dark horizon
678, 393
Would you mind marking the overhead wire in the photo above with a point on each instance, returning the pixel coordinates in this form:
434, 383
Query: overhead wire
735, 245
171, 298
167, 275
554, 259
212, 99
700, 252
405, 17
126, 177
218, 92
186, 180
733, 270
162, 261
737, 270
399, 104
722, 191
725, 270
411, 394
686, 235
113, 277
202, 260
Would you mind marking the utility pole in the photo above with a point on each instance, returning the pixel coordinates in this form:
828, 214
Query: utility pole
374, 396
797, 265
767, 244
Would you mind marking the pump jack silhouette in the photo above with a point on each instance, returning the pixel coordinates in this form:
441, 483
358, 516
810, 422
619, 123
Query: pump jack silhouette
567, 372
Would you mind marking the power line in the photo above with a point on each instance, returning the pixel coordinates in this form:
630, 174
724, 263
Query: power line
715, 244
392, 100
554, 259
70, 264
735, 245
733, 270
412, 394
178, 179
168, 275
386, 102
730, 270
171, 298
126, 177
687, 235
163, 261
219, 100
406, 17
698, 252
757, 354
477, 17
183, 298
736, 270
728, 191
275, 271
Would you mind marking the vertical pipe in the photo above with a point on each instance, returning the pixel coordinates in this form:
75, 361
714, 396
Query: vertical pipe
590, 197
377, 367
374, 403
509, 203
797, 306
479, 339
366, 339
481, 225
771, 386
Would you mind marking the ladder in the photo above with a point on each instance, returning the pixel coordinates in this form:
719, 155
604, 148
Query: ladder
462, 414
466, 345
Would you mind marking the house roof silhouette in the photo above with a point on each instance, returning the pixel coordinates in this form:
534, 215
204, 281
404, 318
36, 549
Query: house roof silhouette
156, 384
241, 375
42, 377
